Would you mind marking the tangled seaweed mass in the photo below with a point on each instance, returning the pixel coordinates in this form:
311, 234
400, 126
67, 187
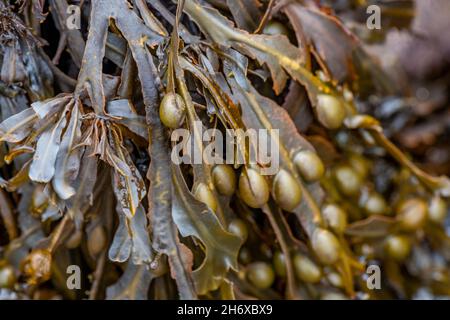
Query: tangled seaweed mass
94, 93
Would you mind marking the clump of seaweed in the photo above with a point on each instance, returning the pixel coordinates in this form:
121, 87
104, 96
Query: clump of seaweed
88, 177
